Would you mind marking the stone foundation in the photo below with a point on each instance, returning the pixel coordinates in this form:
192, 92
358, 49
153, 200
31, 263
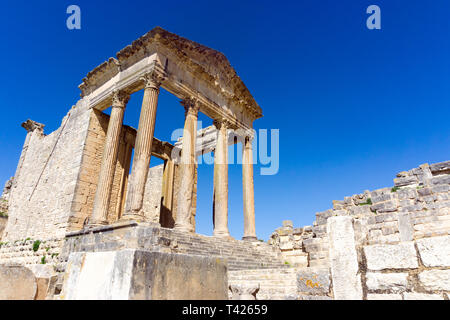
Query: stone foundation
144, 275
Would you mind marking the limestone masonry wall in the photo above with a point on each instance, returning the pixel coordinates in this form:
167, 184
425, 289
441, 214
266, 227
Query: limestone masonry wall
90, 169
30, 252
3, 222
391, 243
4, 206
44, 185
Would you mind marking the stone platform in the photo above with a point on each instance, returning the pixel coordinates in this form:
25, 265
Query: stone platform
133, 274
131, 235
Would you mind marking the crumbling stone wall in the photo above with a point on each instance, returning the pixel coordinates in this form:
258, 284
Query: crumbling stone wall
4, 206
417, 206
30, 252
44, 187
391, 243
3, 222
4, 199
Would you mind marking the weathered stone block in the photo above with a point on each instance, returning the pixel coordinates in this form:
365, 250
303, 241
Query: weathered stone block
388, 206
343, 259
372, 296
391, 256
287, 245
314, 281
443, 179
45, 280
308, 297
435, 252
435, 279
288, 224
404, 181
421, 296
17, 283
144, 275
405, 227
395, 282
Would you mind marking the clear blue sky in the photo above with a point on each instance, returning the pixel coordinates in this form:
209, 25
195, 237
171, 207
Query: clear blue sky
354, 106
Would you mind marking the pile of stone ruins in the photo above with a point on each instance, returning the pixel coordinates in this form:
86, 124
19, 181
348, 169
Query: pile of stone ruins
86, 217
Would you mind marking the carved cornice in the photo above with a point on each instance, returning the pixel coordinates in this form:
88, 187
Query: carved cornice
207, 64
120, 99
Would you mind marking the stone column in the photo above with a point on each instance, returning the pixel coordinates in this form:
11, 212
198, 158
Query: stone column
109, 159
143, 149
248, 188
187, 167
221, 181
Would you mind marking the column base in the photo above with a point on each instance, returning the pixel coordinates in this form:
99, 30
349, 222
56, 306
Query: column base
132, 216
221, 234
183, 228
99, 223
249, 238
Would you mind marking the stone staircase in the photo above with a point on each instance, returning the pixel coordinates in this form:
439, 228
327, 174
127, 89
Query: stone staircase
275, 284
239, 254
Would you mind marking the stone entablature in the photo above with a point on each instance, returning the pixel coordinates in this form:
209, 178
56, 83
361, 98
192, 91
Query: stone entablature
185, 68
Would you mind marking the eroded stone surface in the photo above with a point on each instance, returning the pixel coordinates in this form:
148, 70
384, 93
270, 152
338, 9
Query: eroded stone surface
343, 258
435, 279
17, 283
421, 296
435, 252
144, 275
395, 282
314, 281
371, 296
398, 256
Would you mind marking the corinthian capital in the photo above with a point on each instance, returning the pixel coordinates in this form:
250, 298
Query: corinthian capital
153, 79
191, 106
222, 123
120, 99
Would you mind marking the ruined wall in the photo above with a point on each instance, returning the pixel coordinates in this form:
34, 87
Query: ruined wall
30, 251
3, 222
90, 170
44, 187
391, 243
4, 205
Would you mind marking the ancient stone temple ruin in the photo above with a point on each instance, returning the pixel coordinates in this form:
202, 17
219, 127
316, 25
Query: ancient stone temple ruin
86, 217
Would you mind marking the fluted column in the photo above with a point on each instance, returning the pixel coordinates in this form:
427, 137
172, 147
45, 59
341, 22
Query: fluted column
248, 188
109, 159
187, 167
142, 149
221, 181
